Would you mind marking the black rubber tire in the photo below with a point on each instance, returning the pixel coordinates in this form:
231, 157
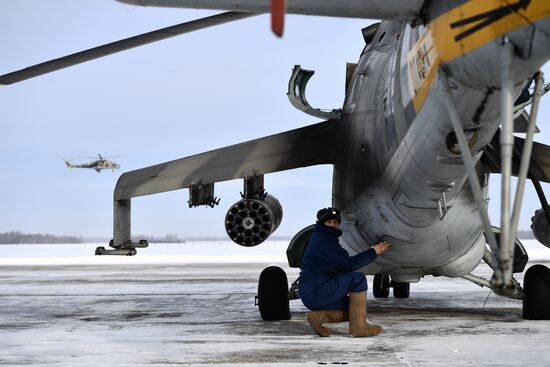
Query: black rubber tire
536, 285
401, 290
381, 286
273, 294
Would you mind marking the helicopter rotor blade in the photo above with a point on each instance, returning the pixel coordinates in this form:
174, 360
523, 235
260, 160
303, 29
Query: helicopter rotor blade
121, 45
100, 156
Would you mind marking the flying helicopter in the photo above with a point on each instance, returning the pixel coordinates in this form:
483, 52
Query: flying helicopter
428, 115
98, 165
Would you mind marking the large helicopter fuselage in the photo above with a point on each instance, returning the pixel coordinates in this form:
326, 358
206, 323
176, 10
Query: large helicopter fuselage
400, 175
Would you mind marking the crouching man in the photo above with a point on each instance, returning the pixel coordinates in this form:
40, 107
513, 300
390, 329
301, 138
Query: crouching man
329, 285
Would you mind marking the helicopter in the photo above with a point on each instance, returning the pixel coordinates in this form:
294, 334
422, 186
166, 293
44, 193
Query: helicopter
98, 164
429, 113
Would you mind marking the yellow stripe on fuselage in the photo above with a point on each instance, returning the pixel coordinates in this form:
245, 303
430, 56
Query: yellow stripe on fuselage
462, 30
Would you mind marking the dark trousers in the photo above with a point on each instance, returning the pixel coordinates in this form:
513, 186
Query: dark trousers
333, 294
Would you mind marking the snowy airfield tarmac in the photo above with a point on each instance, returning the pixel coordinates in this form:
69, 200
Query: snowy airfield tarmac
175, 309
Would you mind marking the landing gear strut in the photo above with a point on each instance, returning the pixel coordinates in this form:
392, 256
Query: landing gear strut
501, 258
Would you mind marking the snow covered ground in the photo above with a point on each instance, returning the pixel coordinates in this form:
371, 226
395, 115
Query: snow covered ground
174, 253
161, 253
174, 305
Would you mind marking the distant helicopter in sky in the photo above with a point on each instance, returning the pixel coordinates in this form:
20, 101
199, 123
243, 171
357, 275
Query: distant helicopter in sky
99, 164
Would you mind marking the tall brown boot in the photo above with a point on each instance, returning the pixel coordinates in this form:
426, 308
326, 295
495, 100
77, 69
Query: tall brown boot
358, 325
316, 320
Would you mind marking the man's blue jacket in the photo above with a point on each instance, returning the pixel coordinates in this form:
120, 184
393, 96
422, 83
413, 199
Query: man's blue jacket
325, 260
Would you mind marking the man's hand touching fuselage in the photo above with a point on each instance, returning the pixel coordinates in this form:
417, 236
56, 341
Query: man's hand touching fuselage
381, 247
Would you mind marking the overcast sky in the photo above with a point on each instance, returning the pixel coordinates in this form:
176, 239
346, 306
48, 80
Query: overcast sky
157, 103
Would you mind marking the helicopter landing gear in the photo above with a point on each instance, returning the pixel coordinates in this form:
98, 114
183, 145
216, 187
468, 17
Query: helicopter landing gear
401, 290
128, 248
381, 287
272, 298
536, 285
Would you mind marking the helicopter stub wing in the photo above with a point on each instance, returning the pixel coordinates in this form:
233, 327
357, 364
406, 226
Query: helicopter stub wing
303, 147
539, 166
374, 9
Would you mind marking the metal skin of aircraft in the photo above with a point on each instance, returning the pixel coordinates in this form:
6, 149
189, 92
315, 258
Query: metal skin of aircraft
428, 115
99, 164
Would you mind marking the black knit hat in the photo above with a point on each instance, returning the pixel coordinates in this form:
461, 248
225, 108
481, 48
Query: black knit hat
326, 214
